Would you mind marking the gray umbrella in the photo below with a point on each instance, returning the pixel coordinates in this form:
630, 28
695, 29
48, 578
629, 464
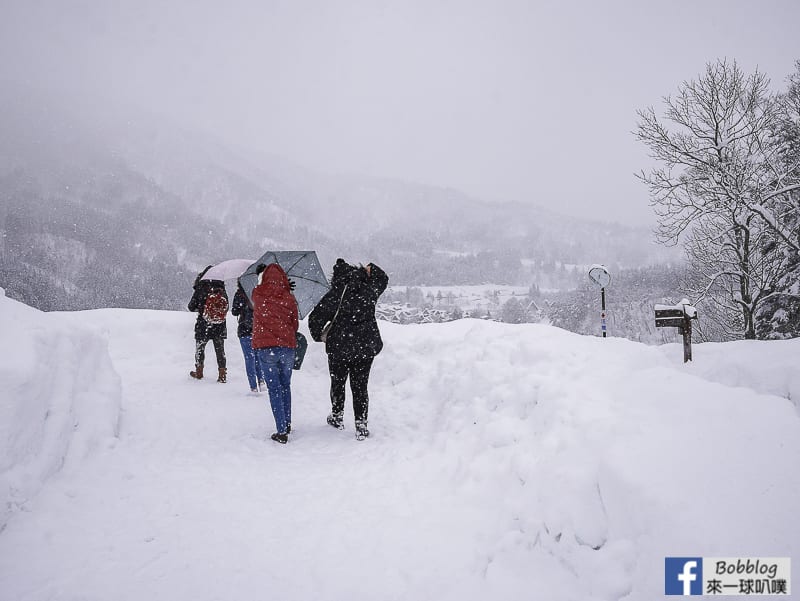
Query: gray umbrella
302, 267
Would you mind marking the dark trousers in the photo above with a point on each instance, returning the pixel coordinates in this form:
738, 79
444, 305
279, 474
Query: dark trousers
358, 372
200, 351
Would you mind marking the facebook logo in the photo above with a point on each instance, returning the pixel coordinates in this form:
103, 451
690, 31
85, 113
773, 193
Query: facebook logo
683, 575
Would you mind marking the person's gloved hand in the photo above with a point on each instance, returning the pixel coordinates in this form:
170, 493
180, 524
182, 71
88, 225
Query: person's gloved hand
291, 284
260, 268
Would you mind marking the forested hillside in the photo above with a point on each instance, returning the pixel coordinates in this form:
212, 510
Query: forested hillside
107, 213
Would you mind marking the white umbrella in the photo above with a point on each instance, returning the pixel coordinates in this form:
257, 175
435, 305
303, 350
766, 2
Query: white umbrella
228, 270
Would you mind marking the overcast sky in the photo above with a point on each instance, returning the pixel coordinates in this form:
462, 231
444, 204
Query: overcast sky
527, 101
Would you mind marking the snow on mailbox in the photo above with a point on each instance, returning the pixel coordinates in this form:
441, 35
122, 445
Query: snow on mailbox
678, 316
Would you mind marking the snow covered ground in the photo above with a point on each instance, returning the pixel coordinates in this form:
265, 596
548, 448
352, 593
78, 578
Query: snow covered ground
472, 299
506, 462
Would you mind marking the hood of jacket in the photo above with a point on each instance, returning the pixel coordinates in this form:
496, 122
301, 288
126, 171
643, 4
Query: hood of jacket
344, 273
274, 276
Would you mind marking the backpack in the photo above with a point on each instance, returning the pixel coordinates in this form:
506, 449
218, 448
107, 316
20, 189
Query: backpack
215, 308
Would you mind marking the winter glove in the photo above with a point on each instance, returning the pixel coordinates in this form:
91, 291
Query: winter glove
291, 284
260, 272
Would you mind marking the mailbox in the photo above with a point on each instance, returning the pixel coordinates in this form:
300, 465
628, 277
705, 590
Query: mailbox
678, 316
670, 318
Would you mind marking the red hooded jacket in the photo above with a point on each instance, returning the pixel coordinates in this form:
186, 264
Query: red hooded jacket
274, 310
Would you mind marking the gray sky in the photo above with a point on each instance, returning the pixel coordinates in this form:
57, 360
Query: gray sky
526, 101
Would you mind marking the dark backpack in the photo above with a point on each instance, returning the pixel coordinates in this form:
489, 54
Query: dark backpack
215, 308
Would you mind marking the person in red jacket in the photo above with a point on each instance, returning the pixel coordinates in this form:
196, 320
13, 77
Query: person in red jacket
275, 322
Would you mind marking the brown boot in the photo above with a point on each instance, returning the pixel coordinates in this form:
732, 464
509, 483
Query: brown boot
197, 373
222, 374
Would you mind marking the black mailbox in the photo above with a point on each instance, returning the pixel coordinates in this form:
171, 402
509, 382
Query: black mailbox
678, 316
670, 318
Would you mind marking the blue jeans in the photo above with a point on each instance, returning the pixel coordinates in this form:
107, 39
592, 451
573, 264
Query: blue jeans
276, 365
251, 363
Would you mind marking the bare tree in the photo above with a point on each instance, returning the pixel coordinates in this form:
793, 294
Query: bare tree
780, 315
724, 185
721, 149
788, 135
736, 271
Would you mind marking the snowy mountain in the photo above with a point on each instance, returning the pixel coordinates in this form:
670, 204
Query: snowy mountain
118, 209
506, 462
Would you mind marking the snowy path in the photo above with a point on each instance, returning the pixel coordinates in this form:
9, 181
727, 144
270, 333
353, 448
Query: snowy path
193, 494
533, 464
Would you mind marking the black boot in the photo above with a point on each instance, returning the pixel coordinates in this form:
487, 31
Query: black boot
335, 420
361, 430
281, 438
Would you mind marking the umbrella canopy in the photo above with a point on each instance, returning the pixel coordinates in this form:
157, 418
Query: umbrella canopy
228, 270
302, 267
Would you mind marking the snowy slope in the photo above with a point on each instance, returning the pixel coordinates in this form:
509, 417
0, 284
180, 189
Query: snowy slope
60, 403
507, 462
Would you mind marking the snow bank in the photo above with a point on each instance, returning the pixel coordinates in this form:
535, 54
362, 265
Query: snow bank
505, 462
61, 399
596, 458
762, 366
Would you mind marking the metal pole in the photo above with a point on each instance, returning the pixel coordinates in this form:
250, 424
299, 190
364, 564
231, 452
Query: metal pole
603, 313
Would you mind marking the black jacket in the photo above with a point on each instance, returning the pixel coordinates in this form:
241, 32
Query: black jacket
242, 309
354, 333
202, 329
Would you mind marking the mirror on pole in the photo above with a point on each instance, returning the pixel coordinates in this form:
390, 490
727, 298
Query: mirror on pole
600, 276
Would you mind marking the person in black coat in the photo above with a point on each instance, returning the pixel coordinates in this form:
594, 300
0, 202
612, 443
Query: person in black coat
353, 339
204, 330
243, 310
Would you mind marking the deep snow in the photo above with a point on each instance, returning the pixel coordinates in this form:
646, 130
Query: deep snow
506, 462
